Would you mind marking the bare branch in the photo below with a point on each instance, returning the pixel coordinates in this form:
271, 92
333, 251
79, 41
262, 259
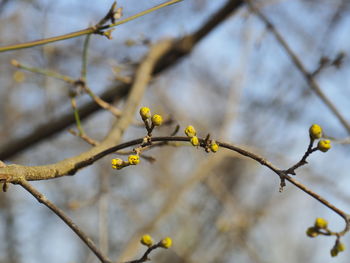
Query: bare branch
42, 199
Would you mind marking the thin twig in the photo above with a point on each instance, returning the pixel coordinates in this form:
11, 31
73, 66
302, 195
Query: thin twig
45, 72
75, 82
103, 104
84, 57
42, 199
76, 116
84, 137
87, 31
302, 161
145, 257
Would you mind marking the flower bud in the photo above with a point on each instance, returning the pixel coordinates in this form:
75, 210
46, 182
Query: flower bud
214, 147
166, 242
195, 141
340, 247
311, 232
133, 159
157, 120
117, 163
190, 131
334, 252
315, 131
321, 223
146, 240
145, 113
324, 145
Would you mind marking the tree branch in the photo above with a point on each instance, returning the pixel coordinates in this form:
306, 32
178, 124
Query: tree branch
43, 200
87, 31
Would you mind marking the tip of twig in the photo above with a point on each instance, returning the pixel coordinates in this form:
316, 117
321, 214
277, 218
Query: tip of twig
15, 63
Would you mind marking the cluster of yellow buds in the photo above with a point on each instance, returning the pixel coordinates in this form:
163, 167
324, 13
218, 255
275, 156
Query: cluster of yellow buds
315, 133
119, 163
190, 131
314, 231
338, 247
211, 145
156, 119
321, 227
147, 240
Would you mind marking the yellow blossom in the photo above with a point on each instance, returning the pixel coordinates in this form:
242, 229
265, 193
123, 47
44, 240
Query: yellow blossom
190, 131
324, 145
146, 240
340, 247
166, 242
145, 113
321, 223
117, 163
133, 159
214, 147
157, 120
195, 141
315, 131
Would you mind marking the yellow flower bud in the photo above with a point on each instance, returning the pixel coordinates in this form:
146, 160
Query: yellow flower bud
157, 120
117, 163
321, 223
166, 242
324, 145
315, 131
133, 159
146, 240
340, 247
145, 113
195, 141
190, 131
334, 252
311, 232
214, 147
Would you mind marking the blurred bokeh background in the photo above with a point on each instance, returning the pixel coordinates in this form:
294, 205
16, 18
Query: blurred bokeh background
238, 84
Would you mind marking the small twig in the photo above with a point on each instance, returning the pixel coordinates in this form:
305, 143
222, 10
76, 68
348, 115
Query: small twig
89, 30
302, 161
76, 116
84, 57
324, 62
44, 72
145, 257
75, 82
103, 104
42, 199
84, 137
108, 16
